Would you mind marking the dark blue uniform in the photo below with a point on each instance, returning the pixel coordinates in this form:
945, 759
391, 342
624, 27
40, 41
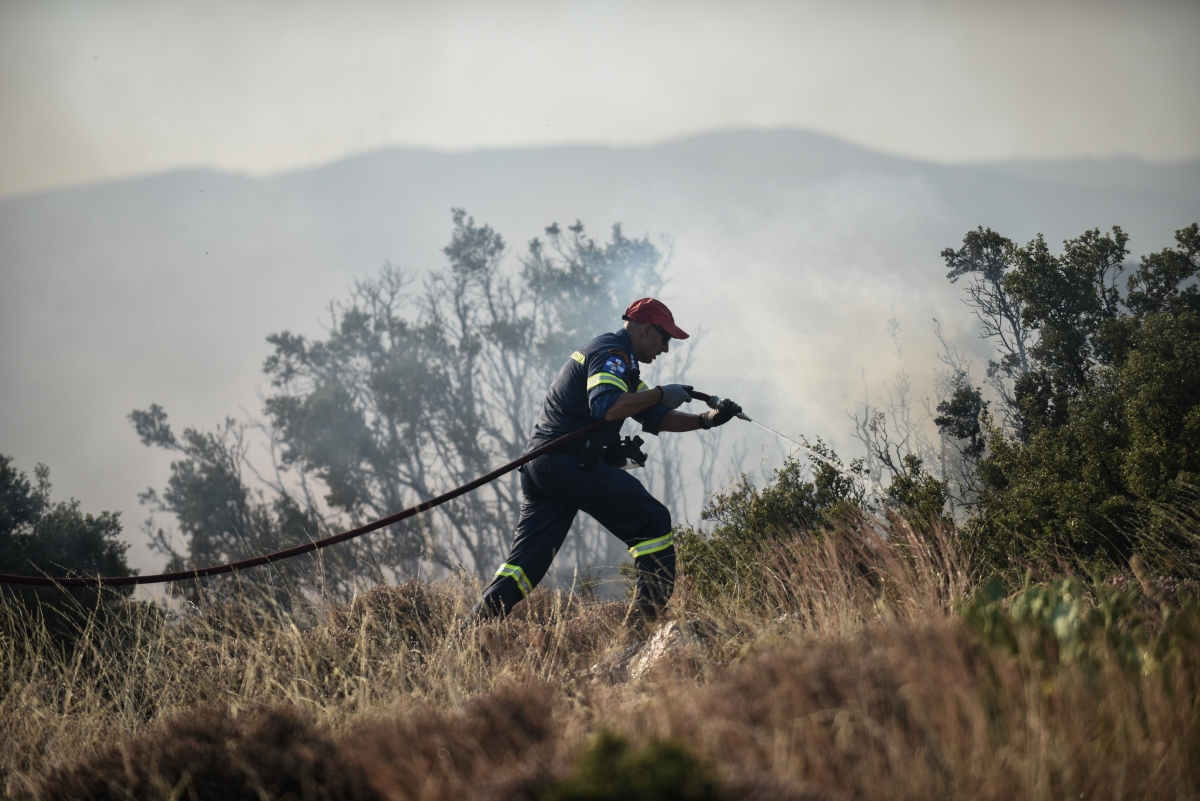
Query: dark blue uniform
557, 486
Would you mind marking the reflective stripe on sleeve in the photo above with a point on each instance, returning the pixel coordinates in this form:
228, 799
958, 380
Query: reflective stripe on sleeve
653, 546
515, 573
642, 387
579, 357
606, 378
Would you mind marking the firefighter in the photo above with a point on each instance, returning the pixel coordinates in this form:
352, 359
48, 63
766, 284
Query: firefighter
601, 381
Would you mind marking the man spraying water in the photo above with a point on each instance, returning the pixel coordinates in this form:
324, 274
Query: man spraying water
601, 381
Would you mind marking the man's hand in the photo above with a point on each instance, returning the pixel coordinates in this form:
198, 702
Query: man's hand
675, 395
726, 410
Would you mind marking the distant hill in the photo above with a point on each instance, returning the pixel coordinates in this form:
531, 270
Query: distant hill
790, 249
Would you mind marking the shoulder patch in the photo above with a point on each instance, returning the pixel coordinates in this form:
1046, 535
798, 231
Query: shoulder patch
614, 365
579, 357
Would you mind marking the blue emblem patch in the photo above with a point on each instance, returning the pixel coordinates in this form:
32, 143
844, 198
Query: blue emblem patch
614, 366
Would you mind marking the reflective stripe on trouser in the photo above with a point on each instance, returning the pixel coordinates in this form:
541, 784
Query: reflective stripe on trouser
518, 575
654, 545
655, 583
554, 489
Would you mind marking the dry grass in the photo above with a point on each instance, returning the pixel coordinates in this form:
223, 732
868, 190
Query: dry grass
848, 677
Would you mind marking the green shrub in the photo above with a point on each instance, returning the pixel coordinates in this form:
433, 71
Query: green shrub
748, 521
40, 538
918, 492
662, 770
1065, 622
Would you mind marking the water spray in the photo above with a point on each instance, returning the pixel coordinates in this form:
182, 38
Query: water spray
878, 489
713, 401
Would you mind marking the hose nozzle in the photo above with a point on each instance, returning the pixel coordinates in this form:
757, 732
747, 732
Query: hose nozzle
713, 402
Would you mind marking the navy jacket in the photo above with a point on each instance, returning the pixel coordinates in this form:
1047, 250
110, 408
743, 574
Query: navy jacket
586, 388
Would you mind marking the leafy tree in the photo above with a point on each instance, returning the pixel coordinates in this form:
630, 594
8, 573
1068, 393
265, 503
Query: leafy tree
223, 520
38, 537
1068, 300
1106, 453
961, 417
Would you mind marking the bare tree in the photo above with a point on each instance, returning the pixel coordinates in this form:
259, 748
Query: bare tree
957, 411
891, 431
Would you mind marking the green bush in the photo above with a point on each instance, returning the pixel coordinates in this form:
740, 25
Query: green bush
748, 520
917, 492
662, 770
1066, 622
37, 538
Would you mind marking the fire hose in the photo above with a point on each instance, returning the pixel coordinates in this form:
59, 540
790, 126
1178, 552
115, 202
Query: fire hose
712, 401
307, 547
313, 545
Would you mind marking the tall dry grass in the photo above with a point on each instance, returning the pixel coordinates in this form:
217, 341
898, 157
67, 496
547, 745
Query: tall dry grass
843, 673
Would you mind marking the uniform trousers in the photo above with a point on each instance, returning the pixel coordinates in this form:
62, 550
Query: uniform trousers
554, 489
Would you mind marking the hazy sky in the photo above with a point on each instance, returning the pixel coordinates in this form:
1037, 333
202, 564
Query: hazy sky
91, 91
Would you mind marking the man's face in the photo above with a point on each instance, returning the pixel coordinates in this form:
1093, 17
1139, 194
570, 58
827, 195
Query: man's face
650, 342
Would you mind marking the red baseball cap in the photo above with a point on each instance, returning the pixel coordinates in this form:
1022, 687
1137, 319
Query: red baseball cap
649, 310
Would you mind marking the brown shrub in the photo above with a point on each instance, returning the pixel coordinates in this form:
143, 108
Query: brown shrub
413, 613
208, 753
505, 744
849, 678
925, 712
